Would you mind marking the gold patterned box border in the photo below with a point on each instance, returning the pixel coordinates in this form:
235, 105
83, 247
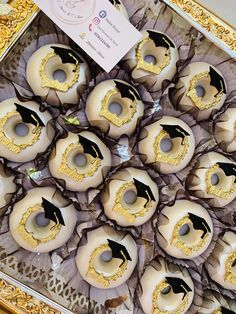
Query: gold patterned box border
218, 31
15, 22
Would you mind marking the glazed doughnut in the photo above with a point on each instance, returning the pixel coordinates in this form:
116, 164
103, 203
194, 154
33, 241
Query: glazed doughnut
114, 106
225, 131
43, 220
25, 131
41, 72
185, 229
168, 143
214, 303
221, 264
7, 187
213, 179
108, 258
120, 7
200, 90
166, 288
153, 59
130, 197
81, 160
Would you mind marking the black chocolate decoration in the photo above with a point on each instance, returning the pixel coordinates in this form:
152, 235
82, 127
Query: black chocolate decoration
228, 168
90, 147
199, 224
119, 251
127, 91
115, 2
29, 116
144, 191
217, 81
52, 212
175, 131
226, 311
161, 40
178, 285
67, 55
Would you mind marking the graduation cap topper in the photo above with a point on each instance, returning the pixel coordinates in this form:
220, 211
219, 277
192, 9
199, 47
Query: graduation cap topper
119, 251
199, 224
52, 212
226, 311
67, 55
228, 168
217, 81
90, 147
29, 116
178, 285
115, 2
161, 40
175, 131
127, 91
144, 191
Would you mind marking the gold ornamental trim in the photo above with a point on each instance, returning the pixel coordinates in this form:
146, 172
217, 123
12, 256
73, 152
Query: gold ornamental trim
229, 275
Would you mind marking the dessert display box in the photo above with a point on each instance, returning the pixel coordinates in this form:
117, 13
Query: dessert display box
96, 215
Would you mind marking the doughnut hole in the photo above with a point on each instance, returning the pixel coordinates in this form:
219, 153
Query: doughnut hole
59, 75
131, 201
168, 300
38, 225
80, 161
152, 54
149, 58
21, 129
189, 235
174, 146
120, 107
221, 181
107, 265
205, 91
130, 197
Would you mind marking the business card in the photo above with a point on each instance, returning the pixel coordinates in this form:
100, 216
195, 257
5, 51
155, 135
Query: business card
96, 26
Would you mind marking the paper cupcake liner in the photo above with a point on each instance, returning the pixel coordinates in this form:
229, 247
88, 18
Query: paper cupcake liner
212, 298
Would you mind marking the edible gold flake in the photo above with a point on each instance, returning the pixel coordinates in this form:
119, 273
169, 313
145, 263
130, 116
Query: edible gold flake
99, 277
29, 237
218, 311
229, 276
143, 65
202, 105
55, 84
214, 189
71, 120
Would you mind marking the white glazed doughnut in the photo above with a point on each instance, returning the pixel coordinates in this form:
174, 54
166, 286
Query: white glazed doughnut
130, 197
153, 59
225, 131
114, 106
166, 288
120, 7
185, 229
200, 90
7, 187
214, 179
25, 131
221, 264
169, 143
31, 221
81, 160
108, 258
41, 71
214, 303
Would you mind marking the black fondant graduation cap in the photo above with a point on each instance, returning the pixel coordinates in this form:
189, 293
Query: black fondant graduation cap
90, 147
144, 191
52, 212
115, 2
226, 311
217, 81
199, 224
127, 90
161, 40
178, 285
119, 251
175, 131
67, 55
229, 169
29, 116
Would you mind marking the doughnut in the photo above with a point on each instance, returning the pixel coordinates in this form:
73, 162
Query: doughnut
108, 258
168, 143
130, 197
153, 59
81, 160
25, 131
114, 107
213, 179
43, 220
57, 74
221, 264
225, 130
120, 7
215, 303
7, 187
185, 229
200, 90
166, 288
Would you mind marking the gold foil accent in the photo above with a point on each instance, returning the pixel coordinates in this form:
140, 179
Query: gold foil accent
28, 236
166, 157
143, 65
180, 244
71, 120
55, 84
156, 310
103, 280
218, 311
74, 173
202, 105
124, 209
112, 117
214, 189
229, 276
9, 142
